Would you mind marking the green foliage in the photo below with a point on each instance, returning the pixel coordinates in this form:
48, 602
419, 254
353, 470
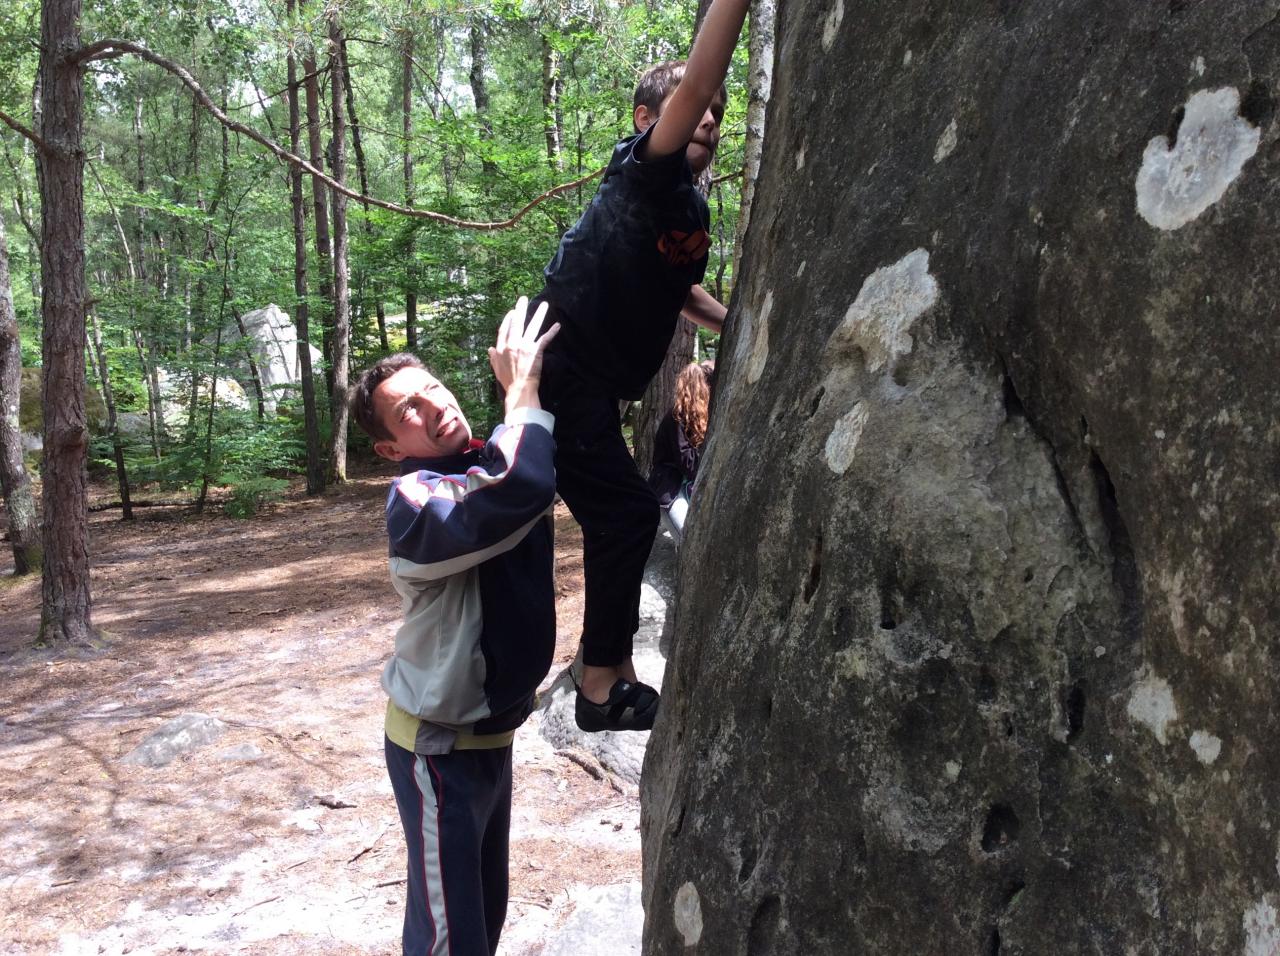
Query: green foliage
248, 497
190, 223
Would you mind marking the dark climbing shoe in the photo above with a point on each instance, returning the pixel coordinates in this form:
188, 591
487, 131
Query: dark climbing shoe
629, 707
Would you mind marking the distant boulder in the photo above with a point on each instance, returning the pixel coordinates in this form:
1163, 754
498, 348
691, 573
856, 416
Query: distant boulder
273, 342
31, 411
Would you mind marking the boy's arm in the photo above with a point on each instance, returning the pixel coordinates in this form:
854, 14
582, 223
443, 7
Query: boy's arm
702, 308
704, 72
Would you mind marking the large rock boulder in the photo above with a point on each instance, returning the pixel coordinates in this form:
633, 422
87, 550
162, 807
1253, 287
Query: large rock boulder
272, 340
31, 410
979, 654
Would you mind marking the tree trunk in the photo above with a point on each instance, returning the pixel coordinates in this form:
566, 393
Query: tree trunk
759, 86
315, 465
254, 376
406, 128
65, 596
146, 344
480, 94
108, 397
341, 299
660, 396
362, 170
977, 623
552, 116
15, 483
320, 200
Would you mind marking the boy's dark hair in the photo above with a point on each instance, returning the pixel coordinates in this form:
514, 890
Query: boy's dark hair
360, 395
659, 81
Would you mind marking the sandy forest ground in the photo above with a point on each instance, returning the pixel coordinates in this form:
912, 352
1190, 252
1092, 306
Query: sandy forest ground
281, 837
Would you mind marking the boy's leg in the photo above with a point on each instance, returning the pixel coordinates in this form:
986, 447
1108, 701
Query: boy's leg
598, 480
449, 805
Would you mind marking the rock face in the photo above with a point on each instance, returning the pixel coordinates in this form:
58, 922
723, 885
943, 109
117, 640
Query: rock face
975, 637
273, 341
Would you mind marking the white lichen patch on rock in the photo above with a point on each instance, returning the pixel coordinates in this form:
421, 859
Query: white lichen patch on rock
946, 142
687, 914
1206, 746
906, 58
1197, 66
1261, 932
1180, 181
888, 304
800, 159
1153, 706
843, 440
831, 25
760, 341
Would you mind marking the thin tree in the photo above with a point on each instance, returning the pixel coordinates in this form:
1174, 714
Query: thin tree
315, 468
406, 129
320, 200
15, 483
341, 300
362, 171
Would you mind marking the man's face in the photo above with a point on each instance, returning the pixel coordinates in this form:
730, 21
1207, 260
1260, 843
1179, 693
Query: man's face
422, 416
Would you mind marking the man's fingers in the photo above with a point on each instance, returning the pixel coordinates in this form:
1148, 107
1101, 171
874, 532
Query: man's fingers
531, 330
547, 336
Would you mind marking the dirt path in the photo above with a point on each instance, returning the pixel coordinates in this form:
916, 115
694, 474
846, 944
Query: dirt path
281, 837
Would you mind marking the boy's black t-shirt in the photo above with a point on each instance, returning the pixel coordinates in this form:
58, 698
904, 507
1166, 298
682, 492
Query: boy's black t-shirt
623, 272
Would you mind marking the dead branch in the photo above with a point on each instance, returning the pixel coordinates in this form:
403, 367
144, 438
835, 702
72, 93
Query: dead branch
111, 49
17, 127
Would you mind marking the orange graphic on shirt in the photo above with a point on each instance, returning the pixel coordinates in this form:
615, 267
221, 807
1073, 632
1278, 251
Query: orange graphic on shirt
682, 248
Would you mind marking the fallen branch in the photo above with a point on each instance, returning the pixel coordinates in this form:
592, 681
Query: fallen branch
378, 886
112, 505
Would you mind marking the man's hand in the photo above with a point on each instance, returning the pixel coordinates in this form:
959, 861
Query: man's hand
517, 355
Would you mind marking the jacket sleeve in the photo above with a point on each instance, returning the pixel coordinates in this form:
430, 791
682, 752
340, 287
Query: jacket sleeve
444, 524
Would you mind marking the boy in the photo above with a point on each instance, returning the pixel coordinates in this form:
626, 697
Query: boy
617, 284
471, 556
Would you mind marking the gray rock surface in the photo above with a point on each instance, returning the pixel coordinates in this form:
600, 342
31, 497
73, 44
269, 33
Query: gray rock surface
177, 736
274, 343
979, 655
606, 921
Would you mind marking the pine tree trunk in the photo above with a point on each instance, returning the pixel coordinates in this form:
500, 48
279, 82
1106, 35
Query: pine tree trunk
362, 170
406, 128
660, 396
341, 295
315, 467
552, 116
108, 397
15, 483
320, 200
146, 354
65, 596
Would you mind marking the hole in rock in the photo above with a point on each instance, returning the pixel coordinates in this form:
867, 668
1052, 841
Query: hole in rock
1029, 575
1259, 105
816, 401
815, 570
986, 689
1171, 134
1001, 828
748, 866
762, 937
1075, 710
993, 944
1013, 407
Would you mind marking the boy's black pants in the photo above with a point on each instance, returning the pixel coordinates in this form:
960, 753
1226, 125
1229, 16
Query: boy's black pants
599, 482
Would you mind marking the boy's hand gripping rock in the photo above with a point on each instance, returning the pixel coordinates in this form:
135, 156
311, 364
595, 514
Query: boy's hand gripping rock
516, 357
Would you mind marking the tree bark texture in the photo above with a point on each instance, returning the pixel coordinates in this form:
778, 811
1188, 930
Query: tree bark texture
406, 128
65, 597
311, 426
341, 294
362, 170
552, 114
974, 646
15, 483
108, 396
320, 201
660, 396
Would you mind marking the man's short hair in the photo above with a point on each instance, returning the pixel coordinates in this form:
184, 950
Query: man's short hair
659, 81
360, 395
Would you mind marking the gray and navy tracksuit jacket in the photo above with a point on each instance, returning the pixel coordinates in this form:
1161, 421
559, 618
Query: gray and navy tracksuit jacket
471, 555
